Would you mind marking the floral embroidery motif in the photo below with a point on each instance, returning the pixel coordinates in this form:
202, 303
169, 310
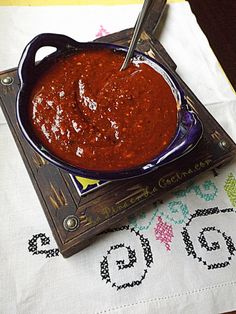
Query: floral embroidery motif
177, 212
230, 188
208, 191
102, 32
136, 221
164, 232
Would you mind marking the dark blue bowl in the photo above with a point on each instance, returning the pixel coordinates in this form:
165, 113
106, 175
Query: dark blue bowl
189, 127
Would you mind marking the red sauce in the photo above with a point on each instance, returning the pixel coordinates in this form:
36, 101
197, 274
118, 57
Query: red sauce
94, 116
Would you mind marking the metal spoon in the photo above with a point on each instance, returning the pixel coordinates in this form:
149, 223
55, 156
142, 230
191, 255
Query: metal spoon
136, 34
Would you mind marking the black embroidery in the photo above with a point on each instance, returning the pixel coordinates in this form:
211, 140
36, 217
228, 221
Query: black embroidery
131, 256
132, 260
33, 246
105, 270
203, 241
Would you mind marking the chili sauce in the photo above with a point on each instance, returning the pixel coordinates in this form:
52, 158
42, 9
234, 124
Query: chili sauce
90, 114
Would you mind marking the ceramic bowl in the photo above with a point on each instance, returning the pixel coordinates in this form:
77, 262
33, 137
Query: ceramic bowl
188, 130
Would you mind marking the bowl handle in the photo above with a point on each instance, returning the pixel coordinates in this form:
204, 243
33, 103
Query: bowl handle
188, 136
27, 62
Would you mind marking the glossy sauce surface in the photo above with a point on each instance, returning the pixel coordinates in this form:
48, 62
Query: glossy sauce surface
94, 116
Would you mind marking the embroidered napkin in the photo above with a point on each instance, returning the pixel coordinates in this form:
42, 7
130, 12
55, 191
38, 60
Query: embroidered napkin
177, 257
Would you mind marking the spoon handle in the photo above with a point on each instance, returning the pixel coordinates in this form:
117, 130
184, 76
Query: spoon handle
136, 34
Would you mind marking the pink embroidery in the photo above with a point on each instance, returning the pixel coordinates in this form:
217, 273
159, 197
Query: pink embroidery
164, 232
102, 32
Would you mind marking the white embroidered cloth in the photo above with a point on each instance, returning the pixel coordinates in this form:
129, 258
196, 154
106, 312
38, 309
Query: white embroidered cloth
176, 258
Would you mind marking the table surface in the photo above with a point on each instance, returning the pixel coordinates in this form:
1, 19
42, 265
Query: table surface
219, 26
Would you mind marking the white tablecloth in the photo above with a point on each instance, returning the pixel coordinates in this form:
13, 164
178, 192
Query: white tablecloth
176, 258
